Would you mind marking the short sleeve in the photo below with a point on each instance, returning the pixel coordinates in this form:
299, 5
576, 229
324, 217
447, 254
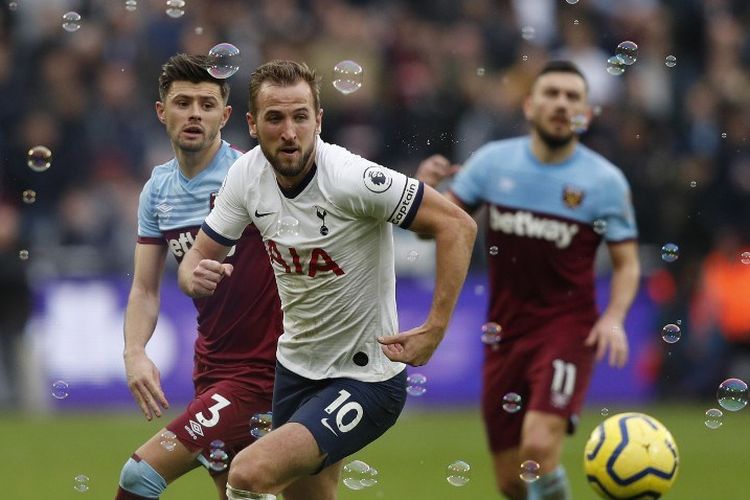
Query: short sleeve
148, 225
469, 183
229, 217
366, 189
617, 210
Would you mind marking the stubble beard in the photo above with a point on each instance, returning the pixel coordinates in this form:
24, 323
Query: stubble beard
553, 141
287, 170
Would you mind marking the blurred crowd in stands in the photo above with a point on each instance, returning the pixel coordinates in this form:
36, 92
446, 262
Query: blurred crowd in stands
440, 76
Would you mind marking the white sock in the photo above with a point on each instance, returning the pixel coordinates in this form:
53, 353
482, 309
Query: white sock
237, 494
551, 486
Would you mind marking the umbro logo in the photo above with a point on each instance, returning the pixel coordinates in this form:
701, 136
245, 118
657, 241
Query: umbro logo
258, 214
196, 427
325, 423
164, 208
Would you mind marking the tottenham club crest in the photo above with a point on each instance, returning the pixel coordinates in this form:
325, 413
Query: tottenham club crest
322, 216
377, 179
572, 196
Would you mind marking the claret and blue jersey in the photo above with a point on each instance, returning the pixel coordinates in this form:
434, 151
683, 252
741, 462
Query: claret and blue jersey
545, 222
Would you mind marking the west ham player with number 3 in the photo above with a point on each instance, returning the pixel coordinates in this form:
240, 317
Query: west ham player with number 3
325, 215
551, 201
237, 326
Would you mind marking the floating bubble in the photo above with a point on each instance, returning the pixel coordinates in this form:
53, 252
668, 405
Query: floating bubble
670, 252
81, 483
358, 475
494, 250
615, 66
576, 22
347, 77
480, 71
217, 443
525, 57
224, 60
12, 6
599, 226
479, 290
23, 254
288, 226
732, 394
604, 412
218, 460
572, 2
416, 384
260, 424
131, 5
168, 440
693, 184
670, 333
723, 135
512, 402
458, 473
627, 52
713, 418
39, 158
491, 333
71, 21
175, 8
28, 196
579, 123
745, 258
528, 32
529, 471
412, 256
198, 30
60, 389
670, 61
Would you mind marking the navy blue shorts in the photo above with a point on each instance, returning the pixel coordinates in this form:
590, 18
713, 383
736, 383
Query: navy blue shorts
343, 415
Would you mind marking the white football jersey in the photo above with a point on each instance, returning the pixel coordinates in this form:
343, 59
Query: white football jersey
331, 247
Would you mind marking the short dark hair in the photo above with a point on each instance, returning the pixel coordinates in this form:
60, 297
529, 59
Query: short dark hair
189, 68
561, 66
283, 73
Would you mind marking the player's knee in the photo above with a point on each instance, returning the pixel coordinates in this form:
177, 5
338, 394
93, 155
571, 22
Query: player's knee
138, 477
253, 475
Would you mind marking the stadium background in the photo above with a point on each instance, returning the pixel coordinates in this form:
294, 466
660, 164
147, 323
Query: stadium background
439, 77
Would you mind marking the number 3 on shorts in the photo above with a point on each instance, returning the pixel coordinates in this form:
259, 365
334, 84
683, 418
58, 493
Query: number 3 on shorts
221, 402
351, 406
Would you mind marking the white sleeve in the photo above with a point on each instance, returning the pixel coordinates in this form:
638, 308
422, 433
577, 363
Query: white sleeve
229, 216
367, 189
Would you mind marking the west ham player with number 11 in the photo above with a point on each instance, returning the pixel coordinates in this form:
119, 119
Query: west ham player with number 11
238, 325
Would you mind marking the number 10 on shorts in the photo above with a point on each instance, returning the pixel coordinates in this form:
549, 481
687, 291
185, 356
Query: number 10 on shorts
342, 408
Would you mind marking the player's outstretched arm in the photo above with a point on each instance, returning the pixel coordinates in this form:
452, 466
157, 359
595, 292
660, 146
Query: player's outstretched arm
608, 334
454, 232
202, 268
435, 169
140, 321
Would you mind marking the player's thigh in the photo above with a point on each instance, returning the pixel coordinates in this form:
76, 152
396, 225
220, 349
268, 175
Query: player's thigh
168, 456
321, 486
220, 480
505, 393
219, 417
560, 372
282, 455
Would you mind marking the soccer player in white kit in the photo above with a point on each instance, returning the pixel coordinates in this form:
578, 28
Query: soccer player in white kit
325, 215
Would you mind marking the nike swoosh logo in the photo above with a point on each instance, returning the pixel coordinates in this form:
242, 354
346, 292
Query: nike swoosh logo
325, 423
258, 214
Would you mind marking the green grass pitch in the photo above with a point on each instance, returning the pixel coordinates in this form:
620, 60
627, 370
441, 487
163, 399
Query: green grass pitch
43, 455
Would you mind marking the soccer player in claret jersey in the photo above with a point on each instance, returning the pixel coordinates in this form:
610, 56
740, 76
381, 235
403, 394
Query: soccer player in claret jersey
238, 325
325, 215
550, 202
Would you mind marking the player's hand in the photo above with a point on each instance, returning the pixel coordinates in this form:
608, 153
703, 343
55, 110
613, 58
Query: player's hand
433, 170
207, 276
609, 335
414, 347
144, 382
